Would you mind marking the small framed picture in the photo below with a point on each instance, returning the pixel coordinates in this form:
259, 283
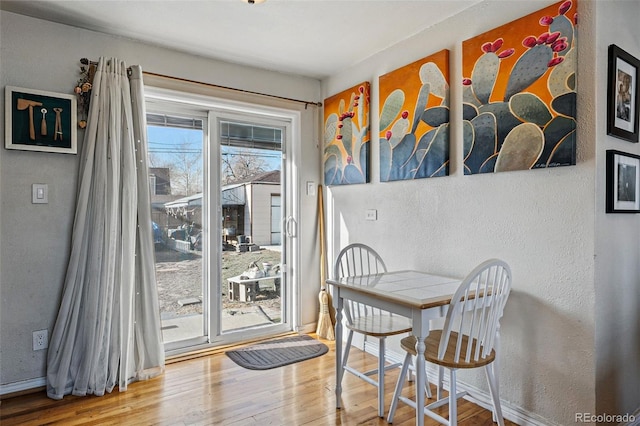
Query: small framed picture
623, 182
36, 120
622, 95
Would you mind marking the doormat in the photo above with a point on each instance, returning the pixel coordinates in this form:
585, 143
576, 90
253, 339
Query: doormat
276, 353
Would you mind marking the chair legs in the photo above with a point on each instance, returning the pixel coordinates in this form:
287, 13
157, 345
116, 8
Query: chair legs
451, 399
493, 389
379, 371
345, 356
398, 390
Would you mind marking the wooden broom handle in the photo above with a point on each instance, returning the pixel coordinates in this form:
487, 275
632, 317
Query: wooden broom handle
322, 247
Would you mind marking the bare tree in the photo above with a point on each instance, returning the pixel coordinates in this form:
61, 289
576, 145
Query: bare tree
186, 170
239, 165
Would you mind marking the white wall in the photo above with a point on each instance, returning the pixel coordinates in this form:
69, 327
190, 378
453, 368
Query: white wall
617, 283
541, 222
261, 212
35, 239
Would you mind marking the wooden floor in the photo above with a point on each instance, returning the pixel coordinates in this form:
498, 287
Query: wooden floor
213, 390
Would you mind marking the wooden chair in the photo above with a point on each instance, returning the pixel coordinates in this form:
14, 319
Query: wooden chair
359, 259
468, 339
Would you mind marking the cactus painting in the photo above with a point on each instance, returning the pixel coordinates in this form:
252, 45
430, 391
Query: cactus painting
346, 136
414, 120
519, 93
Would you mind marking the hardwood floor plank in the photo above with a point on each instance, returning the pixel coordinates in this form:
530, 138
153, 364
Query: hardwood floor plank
212, 390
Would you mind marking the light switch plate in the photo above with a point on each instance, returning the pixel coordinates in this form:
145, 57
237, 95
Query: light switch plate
311, 188
40, 193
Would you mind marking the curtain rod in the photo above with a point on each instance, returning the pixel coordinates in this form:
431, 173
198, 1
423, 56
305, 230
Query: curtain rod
318, 104
306, 103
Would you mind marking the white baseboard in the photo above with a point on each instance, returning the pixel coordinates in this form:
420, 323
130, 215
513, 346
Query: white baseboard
510, 412
22, 385
307, 328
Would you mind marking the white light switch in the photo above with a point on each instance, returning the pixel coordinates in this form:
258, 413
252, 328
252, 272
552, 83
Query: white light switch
40, 193
311, 188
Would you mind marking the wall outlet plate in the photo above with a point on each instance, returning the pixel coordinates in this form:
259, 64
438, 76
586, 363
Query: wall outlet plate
371, 214
40, 340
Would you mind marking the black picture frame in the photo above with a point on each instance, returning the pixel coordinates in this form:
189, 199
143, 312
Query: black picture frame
623, 182
623, 95
37, 120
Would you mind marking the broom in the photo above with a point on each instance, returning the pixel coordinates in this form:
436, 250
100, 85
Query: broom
325, 323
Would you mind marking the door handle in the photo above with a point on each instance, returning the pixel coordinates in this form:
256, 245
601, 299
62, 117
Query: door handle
290, 227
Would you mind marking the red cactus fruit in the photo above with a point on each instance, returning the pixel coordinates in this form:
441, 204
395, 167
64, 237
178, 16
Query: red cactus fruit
496, 45
506, 53
553, 37
466, 82
546, 21
349, 159
559, 46
555, 61
405, 114
486, 47
564, 7
389, 134
530, 41
542, 38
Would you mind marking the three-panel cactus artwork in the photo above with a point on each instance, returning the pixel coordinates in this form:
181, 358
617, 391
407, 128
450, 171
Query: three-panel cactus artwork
518, 107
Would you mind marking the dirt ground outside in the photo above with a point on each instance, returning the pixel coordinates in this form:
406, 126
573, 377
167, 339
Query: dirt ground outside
179, 279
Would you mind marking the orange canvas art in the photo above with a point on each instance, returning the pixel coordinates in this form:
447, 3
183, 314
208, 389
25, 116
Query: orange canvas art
414, 120
519, 93
346, 136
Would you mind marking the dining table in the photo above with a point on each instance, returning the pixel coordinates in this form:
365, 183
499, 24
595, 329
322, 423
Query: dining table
417, 295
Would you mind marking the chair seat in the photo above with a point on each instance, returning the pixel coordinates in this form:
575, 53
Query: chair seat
431, 352
380, 325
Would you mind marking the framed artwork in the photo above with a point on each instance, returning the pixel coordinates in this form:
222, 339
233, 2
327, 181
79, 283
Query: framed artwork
36, 120
519, 93
623, 182
347, 137
622, 95
414, 120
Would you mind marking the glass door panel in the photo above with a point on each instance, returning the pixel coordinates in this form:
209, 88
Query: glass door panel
251, 259
175, 157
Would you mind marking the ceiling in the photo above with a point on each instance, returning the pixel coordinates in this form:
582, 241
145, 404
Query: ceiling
314, 38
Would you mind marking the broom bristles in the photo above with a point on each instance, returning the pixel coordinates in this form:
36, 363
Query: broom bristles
325, 325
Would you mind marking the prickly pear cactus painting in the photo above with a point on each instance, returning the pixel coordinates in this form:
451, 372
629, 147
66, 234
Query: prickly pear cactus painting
414, 120
346, 136
519, 93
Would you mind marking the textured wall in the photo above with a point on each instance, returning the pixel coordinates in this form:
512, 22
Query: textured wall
541, 222
35, 239
617, 284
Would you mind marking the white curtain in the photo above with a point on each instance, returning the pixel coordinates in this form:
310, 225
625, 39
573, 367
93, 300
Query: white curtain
107, 332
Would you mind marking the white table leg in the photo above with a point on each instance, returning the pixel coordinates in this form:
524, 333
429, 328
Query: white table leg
420, 332
337, 304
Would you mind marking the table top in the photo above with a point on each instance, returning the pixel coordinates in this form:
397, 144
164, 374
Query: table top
239, 279
416, 289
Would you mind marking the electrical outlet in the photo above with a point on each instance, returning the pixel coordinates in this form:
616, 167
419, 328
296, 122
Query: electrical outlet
40, 340
371, 214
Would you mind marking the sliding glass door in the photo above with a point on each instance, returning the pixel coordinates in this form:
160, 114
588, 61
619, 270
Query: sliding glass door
220, 185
